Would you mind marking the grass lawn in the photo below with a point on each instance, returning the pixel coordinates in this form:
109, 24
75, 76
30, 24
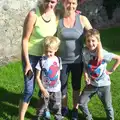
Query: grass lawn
11, 86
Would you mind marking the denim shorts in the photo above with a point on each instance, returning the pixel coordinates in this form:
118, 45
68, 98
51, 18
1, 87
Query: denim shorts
29, 84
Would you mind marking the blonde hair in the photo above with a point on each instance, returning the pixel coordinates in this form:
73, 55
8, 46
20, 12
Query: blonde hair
40, 4
51, 42
92, 32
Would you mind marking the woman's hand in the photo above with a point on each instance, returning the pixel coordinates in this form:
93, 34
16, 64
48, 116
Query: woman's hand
27, 68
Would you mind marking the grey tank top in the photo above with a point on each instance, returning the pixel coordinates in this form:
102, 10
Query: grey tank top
71, 42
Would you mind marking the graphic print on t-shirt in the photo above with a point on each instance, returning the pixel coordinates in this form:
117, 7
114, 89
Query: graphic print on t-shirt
95, 68
52, 74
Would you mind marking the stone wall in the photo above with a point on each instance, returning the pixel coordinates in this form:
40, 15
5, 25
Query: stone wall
96, 13
12, 15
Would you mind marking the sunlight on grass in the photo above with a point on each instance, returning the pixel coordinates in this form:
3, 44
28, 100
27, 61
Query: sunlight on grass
12, 84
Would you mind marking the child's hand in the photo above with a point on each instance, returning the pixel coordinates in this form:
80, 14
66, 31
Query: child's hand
109, 72
27, 68
88, 81
45, 93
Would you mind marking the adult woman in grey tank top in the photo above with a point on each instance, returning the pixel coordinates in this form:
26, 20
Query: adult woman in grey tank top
70, 29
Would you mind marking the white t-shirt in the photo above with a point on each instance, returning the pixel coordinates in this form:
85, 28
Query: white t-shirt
97, 71
50, 73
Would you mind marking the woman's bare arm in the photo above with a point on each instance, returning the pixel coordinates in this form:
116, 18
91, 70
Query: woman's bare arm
85, 22
27, 30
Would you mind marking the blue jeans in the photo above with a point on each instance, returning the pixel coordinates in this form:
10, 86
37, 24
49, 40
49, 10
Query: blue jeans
104, 95
29, 84
76, 74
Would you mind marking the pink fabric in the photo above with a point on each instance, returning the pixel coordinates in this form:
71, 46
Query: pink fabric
78, 11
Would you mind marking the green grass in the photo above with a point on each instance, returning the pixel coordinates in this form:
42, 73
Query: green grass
111, 39
11, 86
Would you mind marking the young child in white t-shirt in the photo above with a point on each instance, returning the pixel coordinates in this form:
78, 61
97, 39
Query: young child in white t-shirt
48, 79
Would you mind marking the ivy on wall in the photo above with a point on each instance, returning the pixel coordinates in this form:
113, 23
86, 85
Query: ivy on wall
110, 6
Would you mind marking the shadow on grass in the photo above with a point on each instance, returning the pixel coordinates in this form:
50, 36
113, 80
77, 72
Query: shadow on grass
81, 117
95, 118
9, 104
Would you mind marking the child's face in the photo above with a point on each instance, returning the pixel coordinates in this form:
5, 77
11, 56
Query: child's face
92, 43
50, 52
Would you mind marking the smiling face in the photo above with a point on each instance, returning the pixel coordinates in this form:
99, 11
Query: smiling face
70, 5
92, 43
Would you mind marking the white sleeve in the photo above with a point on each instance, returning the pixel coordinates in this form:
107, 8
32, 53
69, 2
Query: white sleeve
60, 63
108, 55
38, 67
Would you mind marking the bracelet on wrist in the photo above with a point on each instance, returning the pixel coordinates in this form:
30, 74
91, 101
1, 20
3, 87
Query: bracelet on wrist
112, 70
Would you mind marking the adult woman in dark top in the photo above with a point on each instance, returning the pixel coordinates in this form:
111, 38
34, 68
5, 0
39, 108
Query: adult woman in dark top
70, 29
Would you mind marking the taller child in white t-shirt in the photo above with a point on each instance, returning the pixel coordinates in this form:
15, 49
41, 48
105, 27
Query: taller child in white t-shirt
48, 79
97, 75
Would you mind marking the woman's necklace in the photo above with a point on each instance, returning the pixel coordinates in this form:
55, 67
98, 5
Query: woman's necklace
46, 18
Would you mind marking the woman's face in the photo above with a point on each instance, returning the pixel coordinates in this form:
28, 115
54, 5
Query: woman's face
49, 4
70, 5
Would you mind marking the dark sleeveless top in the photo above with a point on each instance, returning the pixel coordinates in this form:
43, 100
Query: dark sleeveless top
71, 43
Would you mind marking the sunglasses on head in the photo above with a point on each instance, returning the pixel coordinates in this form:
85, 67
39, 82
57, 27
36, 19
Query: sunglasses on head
47, 1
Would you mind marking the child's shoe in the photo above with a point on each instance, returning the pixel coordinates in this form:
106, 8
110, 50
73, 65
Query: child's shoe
75, 114
65, 111
36, 118
47, 115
